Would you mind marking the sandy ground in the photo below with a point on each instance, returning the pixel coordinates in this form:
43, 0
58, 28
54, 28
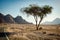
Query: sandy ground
29, 32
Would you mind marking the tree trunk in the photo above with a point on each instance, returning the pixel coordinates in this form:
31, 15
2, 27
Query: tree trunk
36, 27
36, 23
35, 17
39, 22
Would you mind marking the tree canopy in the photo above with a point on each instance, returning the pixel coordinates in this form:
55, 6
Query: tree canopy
37, 11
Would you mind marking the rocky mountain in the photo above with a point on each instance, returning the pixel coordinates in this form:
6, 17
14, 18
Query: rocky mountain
9, 19
1, 18
20, 20
55, 21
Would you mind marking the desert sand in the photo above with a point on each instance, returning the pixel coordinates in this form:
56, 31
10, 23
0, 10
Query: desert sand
29, 32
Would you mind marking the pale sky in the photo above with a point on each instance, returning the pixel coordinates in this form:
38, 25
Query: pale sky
13, 7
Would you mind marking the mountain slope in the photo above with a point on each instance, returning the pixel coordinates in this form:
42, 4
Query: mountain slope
2, 18
20, 20
9, 19
55, 21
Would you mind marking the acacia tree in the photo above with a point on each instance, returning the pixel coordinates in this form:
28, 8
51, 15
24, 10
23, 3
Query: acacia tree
37, 12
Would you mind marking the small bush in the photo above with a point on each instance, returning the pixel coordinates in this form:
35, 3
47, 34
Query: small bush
44, 32
40, 28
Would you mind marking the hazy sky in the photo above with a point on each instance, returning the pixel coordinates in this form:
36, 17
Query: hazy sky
13, 7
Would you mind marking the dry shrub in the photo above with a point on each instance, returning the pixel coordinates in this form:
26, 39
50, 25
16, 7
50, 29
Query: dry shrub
18, 38
32, 37
47, 39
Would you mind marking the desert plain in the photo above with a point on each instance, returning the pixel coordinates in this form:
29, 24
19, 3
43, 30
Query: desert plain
29, 32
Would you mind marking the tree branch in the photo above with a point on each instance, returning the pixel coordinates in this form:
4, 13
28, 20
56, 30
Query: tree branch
40, 21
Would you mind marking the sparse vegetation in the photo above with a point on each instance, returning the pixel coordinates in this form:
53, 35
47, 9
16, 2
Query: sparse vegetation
18, 38
27, 32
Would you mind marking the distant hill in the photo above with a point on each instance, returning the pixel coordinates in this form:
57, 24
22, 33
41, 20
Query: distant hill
9, 19
20, 20
55, 21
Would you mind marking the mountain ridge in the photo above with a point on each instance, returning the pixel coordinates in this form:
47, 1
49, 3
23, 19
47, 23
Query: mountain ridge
55, 21
9, 19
